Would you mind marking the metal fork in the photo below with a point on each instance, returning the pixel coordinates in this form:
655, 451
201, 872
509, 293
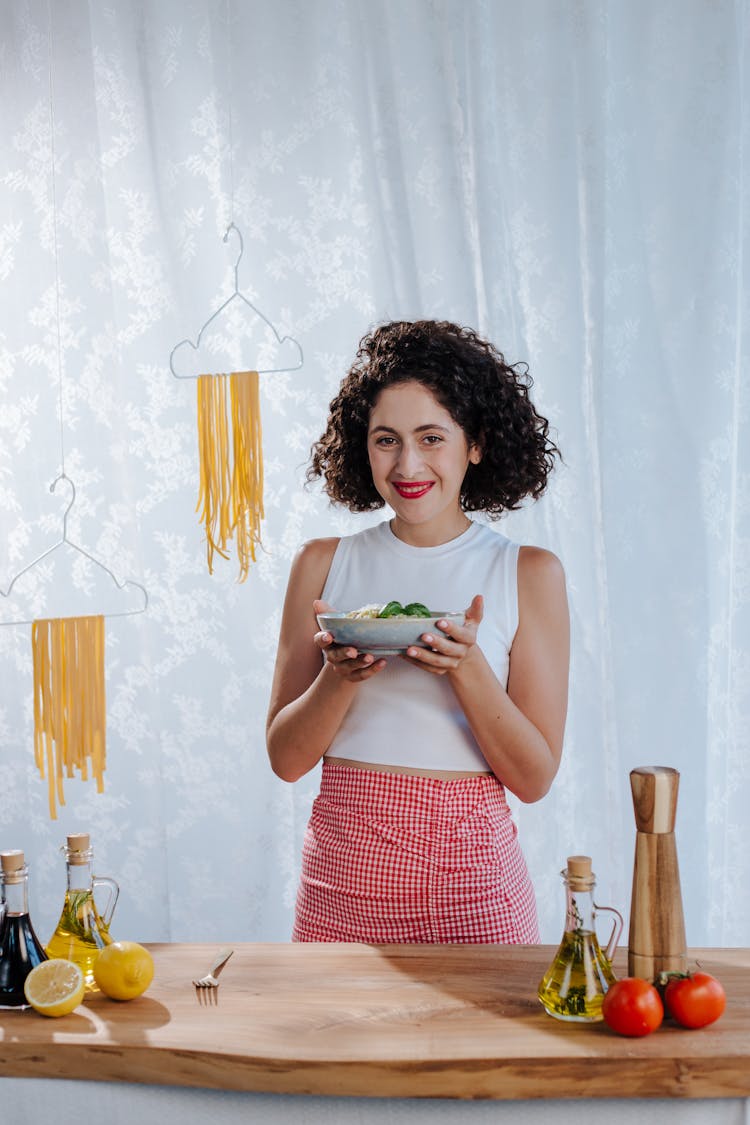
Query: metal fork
206, 987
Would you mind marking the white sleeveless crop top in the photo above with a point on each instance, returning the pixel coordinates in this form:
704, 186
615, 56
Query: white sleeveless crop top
404, 716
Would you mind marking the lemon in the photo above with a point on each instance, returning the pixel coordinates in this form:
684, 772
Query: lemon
54, 987
123, 970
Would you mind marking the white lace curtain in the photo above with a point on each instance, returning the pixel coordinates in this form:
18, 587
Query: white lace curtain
567, 178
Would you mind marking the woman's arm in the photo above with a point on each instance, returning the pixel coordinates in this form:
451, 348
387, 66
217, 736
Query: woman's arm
314, 681
519, 731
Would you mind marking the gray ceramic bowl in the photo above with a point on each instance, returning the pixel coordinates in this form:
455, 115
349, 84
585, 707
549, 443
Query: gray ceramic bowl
382, 636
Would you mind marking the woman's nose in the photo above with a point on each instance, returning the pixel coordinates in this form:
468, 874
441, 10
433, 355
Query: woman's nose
410, 459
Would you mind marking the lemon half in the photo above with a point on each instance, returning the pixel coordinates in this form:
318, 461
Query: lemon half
54, 987
123, 970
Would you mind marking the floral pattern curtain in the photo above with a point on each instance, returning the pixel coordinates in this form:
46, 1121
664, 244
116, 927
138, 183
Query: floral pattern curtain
571, 180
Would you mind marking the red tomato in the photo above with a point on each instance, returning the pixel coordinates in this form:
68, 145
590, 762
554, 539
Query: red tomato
695, 1000
632, 1006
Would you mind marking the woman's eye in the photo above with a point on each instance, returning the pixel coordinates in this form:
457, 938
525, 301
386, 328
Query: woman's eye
432, 439
385, 441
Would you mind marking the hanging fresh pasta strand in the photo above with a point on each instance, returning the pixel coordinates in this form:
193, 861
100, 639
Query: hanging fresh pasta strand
213, 504
69, 701
240, 470
57, 708
97, 697
77, 642
43, 736
38, 649
222, 461
218, 467
204, 506
81, 643
247, 473
74, 699
230, 499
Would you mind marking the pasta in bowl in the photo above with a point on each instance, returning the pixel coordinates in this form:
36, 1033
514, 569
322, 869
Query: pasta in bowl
385, 630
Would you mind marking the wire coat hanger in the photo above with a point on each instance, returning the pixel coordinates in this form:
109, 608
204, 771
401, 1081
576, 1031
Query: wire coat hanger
65, 541
236, 296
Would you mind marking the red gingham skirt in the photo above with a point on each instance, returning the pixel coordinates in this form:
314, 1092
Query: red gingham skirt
391, 858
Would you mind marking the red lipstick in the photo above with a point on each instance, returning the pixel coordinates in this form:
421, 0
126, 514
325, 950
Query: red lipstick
412, 489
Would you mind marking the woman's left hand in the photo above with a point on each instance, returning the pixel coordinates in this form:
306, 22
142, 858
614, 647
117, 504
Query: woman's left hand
448, 648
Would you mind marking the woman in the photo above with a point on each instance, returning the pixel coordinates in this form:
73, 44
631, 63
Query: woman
411, 837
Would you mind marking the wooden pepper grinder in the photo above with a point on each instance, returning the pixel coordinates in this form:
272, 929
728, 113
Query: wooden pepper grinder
656, 942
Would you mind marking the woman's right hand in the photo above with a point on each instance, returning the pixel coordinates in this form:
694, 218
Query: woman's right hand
346, 661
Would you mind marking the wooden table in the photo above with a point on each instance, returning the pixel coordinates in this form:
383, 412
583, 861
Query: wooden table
380, 1021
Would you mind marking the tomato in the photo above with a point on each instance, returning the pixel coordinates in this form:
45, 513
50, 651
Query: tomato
694, 1000
632, 1006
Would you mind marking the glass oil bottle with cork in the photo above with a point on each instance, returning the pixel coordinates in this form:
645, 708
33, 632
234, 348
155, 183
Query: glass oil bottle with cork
574, 985
83, 929
20, 949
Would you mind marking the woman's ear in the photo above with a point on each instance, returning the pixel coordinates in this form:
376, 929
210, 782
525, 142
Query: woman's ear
475, 454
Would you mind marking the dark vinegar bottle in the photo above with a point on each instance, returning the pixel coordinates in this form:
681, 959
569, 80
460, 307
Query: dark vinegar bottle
20, 948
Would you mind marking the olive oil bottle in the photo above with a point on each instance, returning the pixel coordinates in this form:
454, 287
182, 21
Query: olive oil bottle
580, 974
82, 930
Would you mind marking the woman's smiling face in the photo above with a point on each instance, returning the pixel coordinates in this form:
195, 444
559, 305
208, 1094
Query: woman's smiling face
418, 457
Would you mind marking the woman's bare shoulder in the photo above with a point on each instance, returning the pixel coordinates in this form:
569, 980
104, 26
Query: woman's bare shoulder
311, 565
541, 580
315, 553
319, 548
539, 564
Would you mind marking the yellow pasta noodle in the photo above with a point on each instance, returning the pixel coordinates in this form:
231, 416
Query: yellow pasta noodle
230, 500
69, 701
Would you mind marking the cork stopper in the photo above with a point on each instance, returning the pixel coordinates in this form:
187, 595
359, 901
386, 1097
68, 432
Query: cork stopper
654, 790
13, 866
579, 873
78, 848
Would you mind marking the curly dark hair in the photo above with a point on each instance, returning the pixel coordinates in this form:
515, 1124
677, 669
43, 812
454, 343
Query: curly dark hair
487, 397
